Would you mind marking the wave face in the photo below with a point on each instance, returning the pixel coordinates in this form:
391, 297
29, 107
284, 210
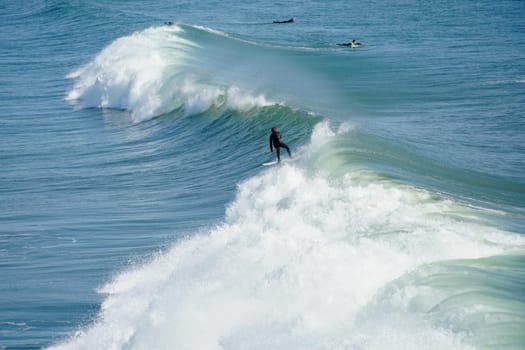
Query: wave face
312, 261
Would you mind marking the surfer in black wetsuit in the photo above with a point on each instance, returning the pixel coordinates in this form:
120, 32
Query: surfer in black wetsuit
291, 20
275, 141
354, 43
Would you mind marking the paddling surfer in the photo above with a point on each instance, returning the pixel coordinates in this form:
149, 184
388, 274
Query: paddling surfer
291, 20
354, 43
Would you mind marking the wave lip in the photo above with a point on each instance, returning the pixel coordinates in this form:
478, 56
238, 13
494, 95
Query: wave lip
154, 72
129, 73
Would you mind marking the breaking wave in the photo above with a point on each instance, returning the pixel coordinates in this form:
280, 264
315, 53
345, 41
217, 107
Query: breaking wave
308, 259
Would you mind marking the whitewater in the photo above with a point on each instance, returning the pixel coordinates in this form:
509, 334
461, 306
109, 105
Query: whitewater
312, 262
136, 213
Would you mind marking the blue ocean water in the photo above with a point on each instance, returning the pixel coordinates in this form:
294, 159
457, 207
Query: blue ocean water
135, 213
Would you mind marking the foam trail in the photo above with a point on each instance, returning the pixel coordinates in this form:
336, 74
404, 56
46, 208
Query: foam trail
296, 265
153, 72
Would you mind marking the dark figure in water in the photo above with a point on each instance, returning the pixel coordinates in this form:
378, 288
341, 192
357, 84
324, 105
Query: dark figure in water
354, 43
291, 20
275, 141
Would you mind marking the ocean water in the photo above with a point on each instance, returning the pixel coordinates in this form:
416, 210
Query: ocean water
135, 212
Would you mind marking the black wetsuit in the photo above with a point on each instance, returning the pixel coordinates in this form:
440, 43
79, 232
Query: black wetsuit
354, 44
275, 141
291, 20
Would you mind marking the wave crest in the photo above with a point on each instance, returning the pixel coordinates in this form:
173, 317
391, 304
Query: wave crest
154, 72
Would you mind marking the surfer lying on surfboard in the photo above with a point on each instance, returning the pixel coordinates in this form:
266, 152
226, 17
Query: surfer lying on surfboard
275, 141
354, 43
291, 20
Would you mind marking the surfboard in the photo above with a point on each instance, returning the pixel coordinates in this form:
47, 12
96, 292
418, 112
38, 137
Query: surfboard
282, 161
270, 163
351, 45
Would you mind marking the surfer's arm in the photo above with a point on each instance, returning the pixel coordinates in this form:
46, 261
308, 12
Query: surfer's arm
271, 146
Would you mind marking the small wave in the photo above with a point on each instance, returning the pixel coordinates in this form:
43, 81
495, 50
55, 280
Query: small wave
505, 82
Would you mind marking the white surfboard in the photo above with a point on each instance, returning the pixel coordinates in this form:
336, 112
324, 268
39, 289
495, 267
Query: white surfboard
270, 163
282, 161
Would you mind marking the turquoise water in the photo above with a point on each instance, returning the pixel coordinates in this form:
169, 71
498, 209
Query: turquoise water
135, 213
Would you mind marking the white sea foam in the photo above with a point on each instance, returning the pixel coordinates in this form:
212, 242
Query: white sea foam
153, 72
295, 265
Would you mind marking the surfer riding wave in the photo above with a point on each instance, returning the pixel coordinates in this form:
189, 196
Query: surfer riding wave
275, 141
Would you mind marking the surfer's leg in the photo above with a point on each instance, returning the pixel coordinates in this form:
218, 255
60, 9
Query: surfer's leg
278, 149
287, 149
